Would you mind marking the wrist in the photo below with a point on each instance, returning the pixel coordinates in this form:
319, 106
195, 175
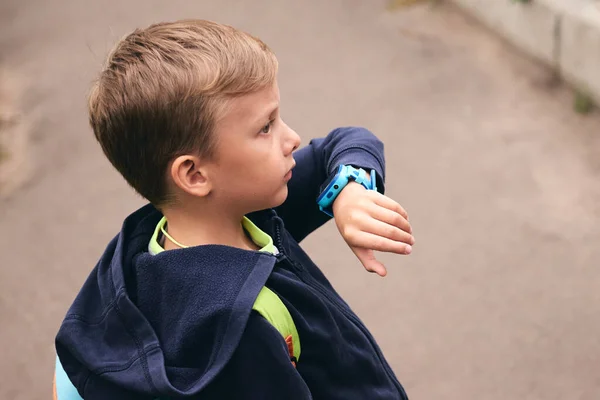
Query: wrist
347, 192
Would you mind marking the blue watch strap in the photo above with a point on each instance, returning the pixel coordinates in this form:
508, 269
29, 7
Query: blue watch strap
368, 181
343, 175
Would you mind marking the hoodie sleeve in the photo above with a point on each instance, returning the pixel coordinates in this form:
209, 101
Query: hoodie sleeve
315, 163
260, 368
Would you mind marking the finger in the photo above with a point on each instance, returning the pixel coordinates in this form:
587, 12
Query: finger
390, 217
388, 203
368, 260
376, 227
375, 242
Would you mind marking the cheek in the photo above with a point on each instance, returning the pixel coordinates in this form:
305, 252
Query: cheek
253, 168
250, 156
261, 165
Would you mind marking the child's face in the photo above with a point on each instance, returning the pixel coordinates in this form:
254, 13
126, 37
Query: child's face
254, 153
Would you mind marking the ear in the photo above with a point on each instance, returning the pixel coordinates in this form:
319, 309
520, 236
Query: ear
191, 175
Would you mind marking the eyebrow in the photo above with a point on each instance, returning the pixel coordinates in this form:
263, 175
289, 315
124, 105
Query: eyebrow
271, 109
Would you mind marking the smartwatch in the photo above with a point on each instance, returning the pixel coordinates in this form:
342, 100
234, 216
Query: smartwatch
339, 180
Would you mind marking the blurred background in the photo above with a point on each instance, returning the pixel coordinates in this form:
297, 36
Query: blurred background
499, 173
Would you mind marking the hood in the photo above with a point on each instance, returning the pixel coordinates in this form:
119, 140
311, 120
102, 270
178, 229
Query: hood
162, 324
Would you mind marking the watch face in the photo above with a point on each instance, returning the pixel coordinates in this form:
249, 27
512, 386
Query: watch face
328, 188
326, 184
330, 179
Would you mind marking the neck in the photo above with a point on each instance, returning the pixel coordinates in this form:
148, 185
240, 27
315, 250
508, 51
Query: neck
200, 225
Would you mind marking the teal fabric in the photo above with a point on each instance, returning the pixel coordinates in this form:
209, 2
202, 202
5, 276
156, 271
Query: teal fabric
64, 388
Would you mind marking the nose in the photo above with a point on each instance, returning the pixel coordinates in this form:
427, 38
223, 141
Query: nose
292, 141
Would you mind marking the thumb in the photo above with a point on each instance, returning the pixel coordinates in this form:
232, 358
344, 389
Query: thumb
368, 260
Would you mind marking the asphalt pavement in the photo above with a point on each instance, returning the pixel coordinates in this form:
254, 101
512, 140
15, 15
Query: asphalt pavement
500, 298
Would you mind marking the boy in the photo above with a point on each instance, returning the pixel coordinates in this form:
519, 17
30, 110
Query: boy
182, 303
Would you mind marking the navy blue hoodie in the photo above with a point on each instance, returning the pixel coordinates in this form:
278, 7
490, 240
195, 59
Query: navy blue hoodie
180, 324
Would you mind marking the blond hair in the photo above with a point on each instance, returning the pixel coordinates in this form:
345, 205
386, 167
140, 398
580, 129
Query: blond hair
162, 90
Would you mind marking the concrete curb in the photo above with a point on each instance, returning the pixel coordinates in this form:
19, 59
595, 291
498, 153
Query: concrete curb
564, 34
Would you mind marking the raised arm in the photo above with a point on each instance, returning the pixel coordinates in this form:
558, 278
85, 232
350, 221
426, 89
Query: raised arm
315, 163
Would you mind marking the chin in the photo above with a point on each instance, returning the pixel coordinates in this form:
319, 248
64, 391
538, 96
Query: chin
279, 197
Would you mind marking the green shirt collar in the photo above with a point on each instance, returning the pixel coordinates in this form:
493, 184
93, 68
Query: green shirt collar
260, 238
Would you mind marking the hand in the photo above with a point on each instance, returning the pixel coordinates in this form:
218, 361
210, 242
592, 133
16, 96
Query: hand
370, 221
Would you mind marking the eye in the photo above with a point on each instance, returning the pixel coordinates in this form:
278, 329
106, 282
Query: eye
267, 128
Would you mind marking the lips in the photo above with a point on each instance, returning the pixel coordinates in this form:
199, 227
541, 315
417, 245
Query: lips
288, 176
